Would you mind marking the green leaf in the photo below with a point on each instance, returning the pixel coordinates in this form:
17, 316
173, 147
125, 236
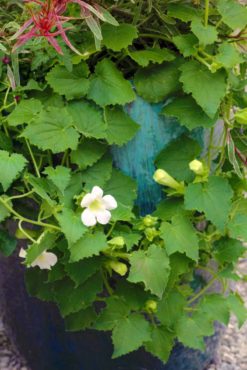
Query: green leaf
88, 153
73, 85
215, 307
42, 187
71, 225
167, 208
37, 286
116, 310
237, 306
87, 119
131, 237
11, 165
118, 38
212, 198
161, 343
108, 86
80, 320
53, 130
122, 187
166, 313
237, 227
89, 245
7, 243
47, 242
60, 176
24, 112
228, 55
56, 273
206, 35
120, 127
129, 334
180, 236
156, 83
71, 299
186, 325
154, 55
4, 212
186, 44
184, 12
98, 174
188, 113
80, 271
229, 250
176, 162
144, 269
208, 89
133, 294
73, 189
180, 264
233, 14
5, 142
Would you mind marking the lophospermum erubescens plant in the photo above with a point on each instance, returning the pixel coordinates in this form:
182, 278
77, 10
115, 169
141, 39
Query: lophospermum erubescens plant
63, 90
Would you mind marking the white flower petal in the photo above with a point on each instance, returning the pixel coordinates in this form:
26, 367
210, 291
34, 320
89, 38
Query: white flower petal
97, 192
88, 218
22, 253
103, 217
110, 202
45, 261
87, 200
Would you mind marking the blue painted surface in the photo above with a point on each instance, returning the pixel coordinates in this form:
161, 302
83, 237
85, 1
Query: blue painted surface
136, 158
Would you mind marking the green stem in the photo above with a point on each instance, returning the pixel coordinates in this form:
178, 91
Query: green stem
25, 233
21, 195
111, 229
155, 36
33, 158
206, 12
202, 291
64, 158
106, 283
24, 219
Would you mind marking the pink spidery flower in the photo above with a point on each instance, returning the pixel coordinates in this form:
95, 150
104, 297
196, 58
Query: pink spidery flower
47, 21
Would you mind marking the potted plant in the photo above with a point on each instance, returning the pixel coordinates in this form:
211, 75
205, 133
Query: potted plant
73, 74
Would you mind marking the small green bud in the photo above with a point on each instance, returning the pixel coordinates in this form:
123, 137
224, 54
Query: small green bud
215, 66
151, 306
197, 167
149, 221
163, 178
118, 241
151, 233
241, 116
119, 267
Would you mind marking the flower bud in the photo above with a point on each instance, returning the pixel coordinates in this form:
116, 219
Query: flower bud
151, 306
197, 167
149, 221
119, 267
163, 178
118, 241
151, 233
241, 116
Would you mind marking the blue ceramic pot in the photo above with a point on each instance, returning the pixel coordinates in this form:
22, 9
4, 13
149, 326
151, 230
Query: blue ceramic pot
36, 327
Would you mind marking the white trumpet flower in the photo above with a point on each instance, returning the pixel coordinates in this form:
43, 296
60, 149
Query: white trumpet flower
98, 207
44, 261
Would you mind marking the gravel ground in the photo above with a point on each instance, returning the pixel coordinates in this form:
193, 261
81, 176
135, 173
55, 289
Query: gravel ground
232, 350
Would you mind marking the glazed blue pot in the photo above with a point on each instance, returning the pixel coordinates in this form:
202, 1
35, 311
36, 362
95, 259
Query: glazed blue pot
36, 327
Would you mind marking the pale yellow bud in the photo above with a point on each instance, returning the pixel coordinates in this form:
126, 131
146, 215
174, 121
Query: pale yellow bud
119, 267
151, 306
118, 241
197, 167
163, 178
